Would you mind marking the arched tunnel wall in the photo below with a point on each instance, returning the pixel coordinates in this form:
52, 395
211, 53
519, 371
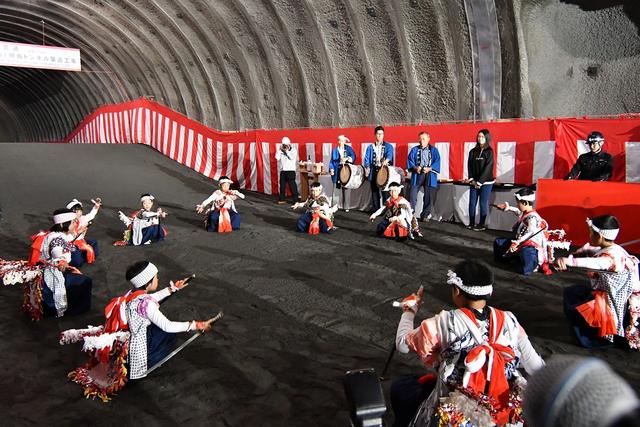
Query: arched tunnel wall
239, 64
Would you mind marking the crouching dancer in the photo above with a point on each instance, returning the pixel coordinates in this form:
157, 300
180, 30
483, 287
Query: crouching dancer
597, 312
398, 222
86, 249
67, 291
529, 241
135, 331
318, 217
143, 226
222, 217
475, 349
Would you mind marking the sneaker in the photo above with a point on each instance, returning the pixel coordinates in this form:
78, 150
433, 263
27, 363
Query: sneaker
418, 233
470, 227
346, 210
479, 227
281, 202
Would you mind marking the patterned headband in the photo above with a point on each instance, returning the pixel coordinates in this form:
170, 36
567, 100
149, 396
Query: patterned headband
609, 234
453, 279
64, 217
528, 198
145, 276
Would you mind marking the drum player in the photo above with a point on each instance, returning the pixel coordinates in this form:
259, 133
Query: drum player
341, 155
377, 155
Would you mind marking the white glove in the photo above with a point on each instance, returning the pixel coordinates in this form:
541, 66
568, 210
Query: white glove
239, 194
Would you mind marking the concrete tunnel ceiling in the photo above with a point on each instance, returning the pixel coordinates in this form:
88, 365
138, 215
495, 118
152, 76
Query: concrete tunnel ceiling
242, 64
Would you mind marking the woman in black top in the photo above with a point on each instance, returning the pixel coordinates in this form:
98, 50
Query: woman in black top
481, 179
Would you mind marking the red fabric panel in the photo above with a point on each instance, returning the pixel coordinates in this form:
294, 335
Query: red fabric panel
567, 205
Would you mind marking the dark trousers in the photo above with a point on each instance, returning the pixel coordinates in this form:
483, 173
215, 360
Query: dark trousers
214, 218
288, 177
376, 192
383, 225
586, 335
78, 257
526, 255
154, 233
305, 221
407, 394
429, 197
159, 344
78, 289
483, 194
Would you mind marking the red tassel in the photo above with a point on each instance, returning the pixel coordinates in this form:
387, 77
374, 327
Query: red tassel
84, 246
224, 221
597, 314
314, 226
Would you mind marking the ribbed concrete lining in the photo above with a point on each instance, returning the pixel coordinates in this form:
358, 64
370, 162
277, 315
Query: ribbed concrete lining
237, 64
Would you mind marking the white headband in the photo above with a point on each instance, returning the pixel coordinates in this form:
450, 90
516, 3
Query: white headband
319, 187
528, 198
399, 186
145, 276
64, 217
453, 279
73, 203
609, 234
344, 137
149, 197
227, 180
286, 141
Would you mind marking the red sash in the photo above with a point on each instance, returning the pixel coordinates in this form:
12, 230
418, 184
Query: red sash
597, 314
84, 246
224, 221
114, 322
490, 378
390, 231
36, 247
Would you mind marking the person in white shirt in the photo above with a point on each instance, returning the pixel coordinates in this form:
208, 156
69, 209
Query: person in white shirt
222, 216
287, 158
152, 334
86, 249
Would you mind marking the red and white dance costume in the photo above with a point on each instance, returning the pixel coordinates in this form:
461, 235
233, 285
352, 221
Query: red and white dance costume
398, 222
143, 226
318, 216
529, 242
66, 290
222, 217
597, 312
477, 355
152, 334
87, 249
123, 338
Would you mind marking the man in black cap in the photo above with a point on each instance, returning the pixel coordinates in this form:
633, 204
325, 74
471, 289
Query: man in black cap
596, 165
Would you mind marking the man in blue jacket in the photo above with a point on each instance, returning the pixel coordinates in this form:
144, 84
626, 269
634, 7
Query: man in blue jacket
424, 164
376, 156
341, 155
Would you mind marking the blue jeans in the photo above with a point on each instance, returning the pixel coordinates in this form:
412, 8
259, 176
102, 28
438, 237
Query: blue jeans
484, 192
527, 255
429, 197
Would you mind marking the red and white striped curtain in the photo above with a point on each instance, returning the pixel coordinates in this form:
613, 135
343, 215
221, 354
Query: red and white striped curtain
524, 150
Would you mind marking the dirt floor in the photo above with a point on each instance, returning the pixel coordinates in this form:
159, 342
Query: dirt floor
299, 310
